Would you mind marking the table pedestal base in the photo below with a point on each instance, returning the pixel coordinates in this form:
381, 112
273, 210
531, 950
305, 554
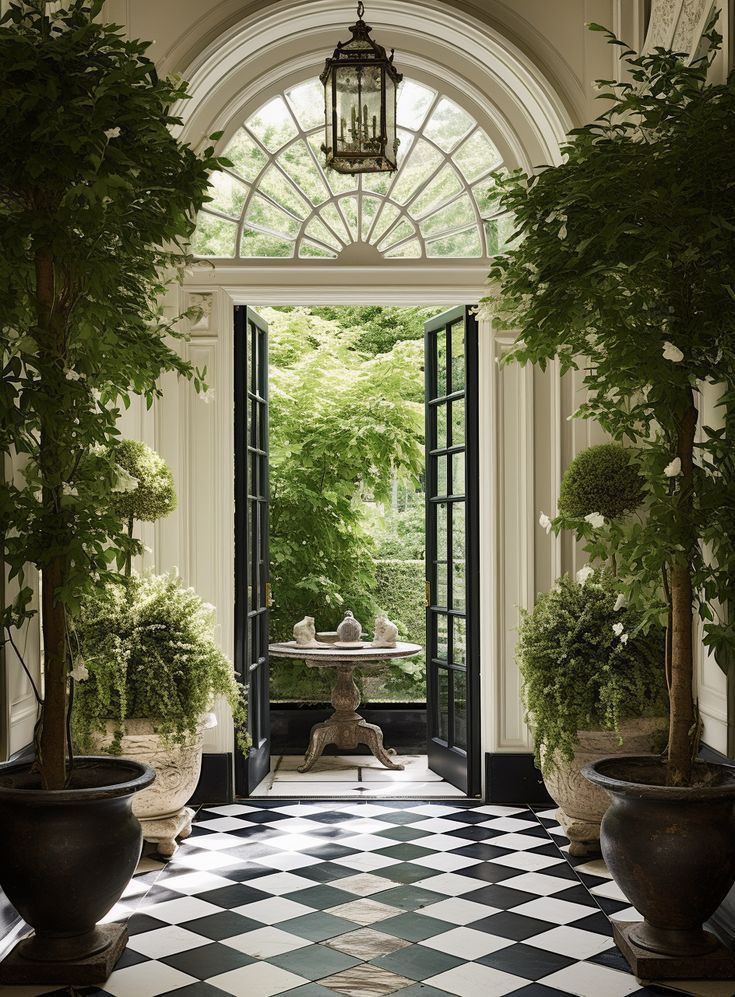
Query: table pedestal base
346, 728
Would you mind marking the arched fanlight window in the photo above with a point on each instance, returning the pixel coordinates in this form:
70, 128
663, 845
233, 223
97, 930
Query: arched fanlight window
278, 201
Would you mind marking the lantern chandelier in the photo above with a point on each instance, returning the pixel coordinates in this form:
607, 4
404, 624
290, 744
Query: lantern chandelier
360, 88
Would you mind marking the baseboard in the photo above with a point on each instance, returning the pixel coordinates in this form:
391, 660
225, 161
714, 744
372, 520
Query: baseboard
511, 778
403, 726
215, 786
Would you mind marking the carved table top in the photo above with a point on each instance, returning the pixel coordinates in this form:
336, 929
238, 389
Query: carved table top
323, 657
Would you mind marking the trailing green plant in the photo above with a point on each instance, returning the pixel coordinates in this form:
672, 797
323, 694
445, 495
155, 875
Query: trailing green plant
601, 480
625, 268
586, 664
146, 649
97, 202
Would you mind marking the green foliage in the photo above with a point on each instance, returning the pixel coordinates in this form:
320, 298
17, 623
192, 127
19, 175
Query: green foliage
601, 479
341, 425
627, 259
149, 648
400, 595
402, 534
578, 672
97, 200
154, 495
379, 327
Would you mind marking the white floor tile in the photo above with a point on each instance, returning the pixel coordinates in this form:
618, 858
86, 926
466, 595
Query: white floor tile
261, 979
147, 979
264, 943
446, 861
366, 862
231, 810
610, 890
191, 859
586, 978
287, 861
519, 842
628, 914
221, 824
196, 882
281, 882
467, 943
437, 825
596, 867
553, 910
161, 942
365, 884
449, 884
538, 884
572, 942
473, 979
316, 775
273, 911
528, 861
457, 911
511, 824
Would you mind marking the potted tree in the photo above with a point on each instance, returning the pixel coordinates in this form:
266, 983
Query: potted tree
151, 671
626, 257
97, 199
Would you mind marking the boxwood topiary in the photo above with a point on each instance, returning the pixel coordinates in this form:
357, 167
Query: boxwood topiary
601, 479
584, 667
145, 648
155, 494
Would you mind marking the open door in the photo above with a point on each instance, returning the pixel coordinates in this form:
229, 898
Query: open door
252, 587
452, 549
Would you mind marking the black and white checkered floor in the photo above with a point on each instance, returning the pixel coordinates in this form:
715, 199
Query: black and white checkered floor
369, 898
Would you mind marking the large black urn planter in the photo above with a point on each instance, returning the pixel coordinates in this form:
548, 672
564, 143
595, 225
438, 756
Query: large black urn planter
671, 850
67, 856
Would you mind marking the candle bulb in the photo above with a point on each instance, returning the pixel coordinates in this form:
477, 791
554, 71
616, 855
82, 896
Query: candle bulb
365, 119
375, 121
342, 129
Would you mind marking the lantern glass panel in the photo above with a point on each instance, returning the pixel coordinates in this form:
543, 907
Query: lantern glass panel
391, 147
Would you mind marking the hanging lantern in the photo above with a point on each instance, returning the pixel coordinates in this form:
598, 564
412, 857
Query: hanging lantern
360, 85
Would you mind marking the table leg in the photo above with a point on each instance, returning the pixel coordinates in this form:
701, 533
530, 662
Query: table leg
346, 728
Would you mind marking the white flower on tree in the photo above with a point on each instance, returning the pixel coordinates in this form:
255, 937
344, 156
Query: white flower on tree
621, 602
79, 672
125, 482
544, 522
672, 353
595, 519
584, 574
112, 133
618, 629
673, 470
623, 638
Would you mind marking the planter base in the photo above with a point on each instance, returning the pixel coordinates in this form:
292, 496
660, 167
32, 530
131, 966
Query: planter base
584, 835
17, 970
718, 964
163, 831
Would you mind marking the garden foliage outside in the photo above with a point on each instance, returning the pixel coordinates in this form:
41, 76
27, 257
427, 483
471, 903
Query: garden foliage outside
346, 509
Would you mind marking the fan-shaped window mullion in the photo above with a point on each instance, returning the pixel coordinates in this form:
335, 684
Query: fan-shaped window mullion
417, 133
333, 199
254, 186
402, 217
383, 201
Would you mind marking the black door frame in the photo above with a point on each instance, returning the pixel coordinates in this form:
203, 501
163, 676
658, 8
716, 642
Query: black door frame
460, 767
252, 585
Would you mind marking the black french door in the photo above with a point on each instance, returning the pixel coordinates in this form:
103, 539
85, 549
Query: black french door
252, 586
452, 550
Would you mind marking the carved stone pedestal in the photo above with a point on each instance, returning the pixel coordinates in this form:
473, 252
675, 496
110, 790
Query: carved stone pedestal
718, 964
584, 835
163, 831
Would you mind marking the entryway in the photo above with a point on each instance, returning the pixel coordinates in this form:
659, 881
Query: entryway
448, 764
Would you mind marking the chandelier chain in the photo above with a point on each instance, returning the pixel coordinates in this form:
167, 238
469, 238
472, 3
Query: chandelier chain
360, 9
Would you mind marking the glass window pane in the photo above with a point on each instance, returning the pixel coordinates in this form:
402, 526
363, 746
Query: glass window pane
423, 160
440, 414
277, 186
487, 198
457, 421
458, 589
442, 704
442, 636
440, 388
403, 230
414, 101
349, 210
458, 531
226, 193
447, 124
460, 709
300, 166
307, 103
458, 479
263, 213
386, 218
273, 124
213, 236
407, 250
458, 357
246, 156
441, 596
319, 231
454, 215
444, 185
459, 640
461, 245
442, 510
310, 249
370, 206
442, 480
334, 220
258, 244
476, 156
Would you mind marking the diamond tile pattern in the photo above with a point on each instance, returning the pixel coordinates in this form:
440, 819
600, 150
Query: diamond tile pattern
369, 898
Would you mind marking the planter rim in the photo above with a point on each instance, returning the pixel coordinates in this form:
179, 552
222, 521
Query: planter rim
598, 773
208, 722
139, 776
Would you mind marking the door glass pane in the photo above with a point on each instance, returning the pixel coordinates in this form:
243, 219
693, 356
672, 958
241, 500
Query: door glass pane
441, 595
458, 474
459, 642
460, 709
440, 414
458, 585
254, 424
458, 528
458, 357
253, 462
442, 681
457, 422
441, 531
440, 388
442, 636
442, 484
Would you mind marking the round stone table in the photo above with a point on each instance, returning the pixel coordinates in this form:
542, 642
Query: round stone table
345, 728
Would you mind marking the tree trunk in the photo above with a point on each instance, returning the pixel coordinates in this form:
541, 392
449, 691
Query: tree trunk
50, 339
682, 625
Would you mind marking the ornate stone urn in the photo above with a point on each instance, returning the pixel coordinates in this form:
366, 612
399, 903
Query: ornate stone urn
161, 809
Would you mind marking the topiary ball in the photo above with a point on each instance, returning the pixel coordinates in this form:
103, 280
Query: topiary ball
155, 495
601, 479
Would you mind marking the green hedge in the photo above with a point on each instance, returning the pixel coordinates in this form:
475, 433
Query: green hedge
399, 594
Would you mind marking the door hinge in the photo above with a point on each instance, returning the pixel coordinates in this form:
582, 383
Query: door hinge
427, 594
268, 595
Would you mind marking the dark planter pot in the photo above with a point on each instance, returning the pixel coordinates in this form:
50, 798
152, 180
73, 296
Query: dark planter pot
67, 855
670, 849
